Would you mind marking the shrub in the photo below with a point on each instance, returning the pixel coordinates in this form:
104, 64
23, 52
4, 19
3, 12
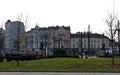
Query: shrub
60, 53
1, 58
28, 57
10, 57
73, 56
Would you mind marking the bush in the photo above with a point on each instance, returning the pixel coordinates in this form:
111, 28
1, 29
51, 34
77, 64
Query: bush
42, 57
10, 57
60, 53
73, 56
1, 58
28, 57
52, 56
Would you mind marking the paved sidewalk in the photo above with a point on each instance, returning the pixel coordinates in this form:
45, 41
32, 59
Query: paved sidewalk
55, 73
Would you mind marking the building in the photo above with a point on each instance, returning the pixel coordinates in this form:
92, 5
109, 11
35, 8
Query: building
37, 39
59, 37
1, 41
33, 38
12, 32
97, 42
45, 39
48, 39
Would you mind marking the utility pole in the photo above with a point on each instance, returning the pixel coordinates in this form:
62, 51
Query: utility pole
89, 41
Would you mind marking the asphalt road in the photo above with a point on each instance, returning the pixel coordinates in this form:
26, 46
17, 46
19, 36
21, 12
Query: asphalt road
56, 73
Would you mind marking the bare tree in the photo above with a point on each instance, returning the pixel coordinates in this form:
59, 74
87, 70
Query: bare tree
80, 44
21, 37
112, 26
18, 40
23, 40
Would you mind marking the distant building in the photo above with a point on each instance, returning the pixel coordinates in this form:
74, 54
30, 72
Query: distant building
48, 38
12, 32
33, 38
97, 42
37, 39
59, 37
45, 39
1, 41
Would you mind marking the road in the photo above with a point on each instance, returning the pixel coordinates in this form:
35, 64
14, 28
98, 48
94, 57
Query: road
56, 73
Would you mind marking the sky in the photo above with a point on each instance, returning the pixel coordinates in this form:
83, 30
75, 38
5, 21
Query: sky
77, 14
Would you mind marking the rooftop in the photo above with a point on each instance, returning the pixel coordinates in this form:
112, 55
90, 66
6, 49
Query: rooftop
85, 35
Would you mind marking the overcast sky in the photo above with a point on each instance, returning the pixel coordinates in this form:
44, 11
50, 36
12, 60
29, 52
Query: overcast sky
77, 14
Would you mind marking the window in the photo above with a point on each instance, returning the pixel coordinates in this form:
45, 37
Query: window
94, 46
94, 40
73, 46
106, 41
73, 40
98, 46
85, 41
91, 46
80, 40
84, 46
106, 46
98, 41
66, 36
91, 40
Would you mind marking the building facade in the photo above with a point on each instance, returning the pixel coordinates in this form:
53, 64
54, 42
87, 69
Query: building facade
97, 42
12, 32
48, 38
2, 41
60, 37
33, 38
37, 39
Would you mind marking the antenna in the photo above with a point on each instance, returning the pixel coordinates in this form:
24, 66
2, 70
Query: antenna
88, 28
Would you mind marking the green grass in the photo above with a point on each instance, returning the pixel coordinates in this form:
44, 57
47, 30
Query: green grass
64, 64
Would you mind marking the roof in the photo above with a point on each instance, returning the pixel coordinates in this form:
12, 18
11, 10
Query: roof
85, 35
1, 29
8, 21
58, 27
67, 28
44, 29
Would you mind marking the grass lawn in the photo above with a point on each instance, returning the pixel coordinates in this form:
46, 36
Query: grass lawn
64, 64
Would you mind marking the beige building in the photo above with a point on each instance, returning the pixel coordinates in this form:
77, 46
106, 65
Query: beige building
97, 42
